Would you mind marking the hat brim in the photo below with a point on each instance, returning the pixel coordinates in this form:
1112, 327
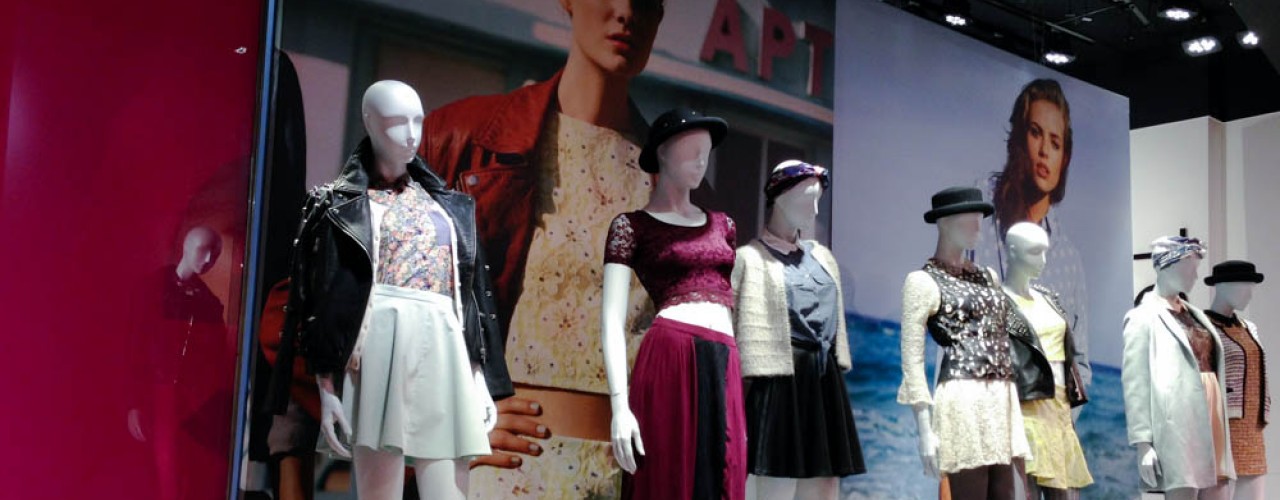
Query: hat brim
959, 208
1233, 278
649, 155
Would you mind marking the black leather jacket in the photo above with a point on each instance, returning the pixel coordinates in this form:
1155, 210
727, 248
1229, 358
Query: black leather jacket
1032, 371
332, 275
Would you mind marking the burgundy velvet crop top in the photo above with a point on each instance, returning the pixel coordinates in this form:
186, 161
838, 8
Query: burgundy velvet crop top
676, 264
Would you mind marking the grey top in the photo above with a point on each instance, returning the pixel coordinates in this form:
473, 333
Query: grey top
811, 298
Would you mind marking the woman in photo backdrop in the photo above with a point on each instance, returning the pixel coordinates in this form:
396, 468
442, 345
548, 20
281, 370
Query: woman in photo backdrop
549, 164
1029, 189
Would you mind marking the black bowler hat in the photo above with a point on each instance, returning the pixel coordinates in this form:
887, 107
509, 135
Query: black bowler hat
673, 122
957, 200
1231, 271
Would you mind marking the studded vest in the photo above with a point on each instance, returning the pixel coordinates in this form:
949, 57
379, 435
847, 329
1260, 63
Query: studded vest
970, 326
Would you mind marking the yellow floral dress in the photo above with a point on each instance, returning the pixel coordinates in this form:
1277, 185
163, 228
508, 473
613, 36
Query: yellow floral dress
1057, 460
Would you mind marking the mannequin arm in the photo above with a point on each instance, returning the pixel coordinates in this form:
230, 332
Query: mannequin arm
624, 430
920, 299
331, 413
1135, 375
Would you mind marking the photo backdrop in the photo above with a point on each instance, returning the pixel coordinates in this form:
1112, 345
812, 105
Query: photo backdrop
920, 108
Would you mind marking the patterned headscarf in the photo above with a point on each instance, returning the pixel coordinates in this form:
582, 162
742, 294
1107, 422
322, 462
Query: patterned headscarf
1168, 250
791, 172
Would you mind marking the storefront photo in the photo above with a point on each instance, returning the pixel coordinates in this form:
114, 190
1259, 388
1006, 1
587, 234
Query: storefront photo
649, 249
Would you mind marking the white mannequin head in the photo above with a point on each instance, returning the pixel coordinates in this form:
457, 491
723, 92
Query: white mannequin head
793, 213
1179, 277
682, 159
392, 115
959, 231
1026, 244
1234, 294
200, 250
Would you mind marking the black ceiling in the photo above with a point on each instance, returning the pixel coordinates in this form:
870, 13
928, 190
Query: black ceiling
1125, 47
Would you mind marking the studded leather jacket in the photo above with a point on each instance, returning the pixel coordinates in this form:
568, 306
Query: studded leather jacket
1033, 373
332, 275
970, 325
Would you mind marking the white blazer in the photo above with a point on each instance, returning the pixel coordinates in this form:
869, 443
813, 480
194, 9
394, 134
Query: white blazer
1164, 398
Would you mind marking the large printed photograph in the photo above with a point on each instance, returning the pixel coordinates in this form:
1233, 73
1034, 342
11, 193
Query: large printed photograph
539, 111
922, 108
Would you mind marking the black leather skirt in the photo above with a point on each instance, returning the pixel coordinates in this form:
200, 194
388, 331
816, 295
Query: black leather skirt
802, 426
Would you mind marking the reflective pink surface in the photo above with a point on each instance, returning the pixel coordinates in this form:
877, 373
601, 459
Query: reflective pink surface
127, 125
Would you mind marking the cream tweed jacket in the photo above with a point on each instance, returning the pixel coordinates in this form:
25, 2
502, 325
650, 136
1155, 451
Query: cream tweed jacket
762, 325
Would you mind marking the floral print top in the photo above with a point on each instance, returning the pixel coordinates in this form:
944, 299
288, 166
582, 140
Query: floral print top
588, 174
415, 240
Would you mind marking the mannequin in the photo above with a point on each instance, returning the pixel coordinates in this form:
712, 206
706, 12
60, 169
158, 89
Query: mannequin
1248, 396
1172, 372
687, 396
416, 362
1045, 367
970, 429
789, 320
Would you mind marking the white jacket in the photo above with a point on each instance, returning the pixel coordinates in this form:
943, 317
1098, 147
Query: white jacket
1164, 399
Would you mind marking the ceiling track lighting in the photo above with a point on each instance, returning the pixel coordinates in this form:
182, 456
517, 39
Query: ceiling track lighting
1177, 10
1248, 39
1202, 46
956, 12
1057, 48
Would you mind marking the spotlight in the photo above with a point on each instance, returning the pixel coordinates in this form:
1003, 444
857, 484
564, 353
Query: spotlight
1057, 48
956, 12
1058, 58
1247, 39
1204, 45
1177, 11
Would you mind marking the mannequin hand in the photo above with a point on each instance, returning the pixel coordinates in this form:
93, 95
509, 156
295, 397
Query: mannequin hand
331, 413
1148, 464
928, 441
624, 431
929, 453
488, 409
514, 420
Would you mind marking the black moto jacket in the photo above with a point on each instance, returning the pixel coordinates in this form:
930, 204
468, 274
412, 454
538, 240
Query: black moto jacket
1032, 371
332, 275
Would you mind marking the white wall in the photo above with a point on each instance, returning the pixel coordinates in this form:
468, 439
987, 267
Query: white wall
1222, 182
1170, 190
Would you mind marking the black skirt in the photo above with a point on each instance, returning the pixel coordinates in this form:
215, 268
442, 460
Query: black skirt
801, 426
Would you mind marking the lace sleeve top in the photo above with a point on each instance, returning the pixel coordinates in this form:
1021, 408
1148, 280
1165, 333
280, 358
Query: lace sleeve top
676, 264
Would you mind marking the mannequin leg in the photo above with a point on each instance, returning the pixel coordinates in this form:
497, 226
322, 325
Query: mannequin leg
989, 482
1037, 492
1181, 494
820, 488
769, 488
968, 484
442, 479
379, 474
1000, 484
1250, 488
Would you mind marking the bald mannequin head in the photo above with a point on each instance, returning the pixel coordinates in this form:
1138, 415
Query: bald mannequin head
200, 250
1026, 245
392, 115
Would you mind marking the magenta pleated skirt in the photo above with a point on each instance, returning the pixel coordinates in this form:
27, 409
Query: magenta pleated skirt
687, 396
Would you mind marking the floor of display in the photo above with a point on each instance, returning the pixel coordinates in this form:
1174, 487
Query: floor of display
888, 430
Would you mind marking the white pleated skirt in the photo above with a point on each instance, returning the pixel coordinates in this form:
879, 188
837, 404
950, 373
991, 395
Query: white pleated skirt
414, 393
